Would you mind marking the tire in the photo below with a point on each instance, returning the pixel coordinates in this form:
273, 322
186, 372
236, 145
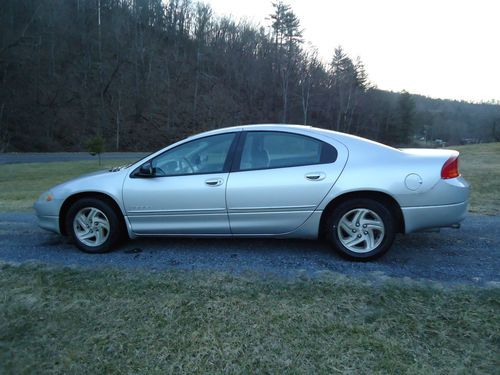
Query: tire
361, 229
93, 225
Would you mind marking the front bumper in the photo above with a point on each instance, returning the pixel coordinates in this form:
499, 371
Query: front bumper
50, 223
47, 214
427, 217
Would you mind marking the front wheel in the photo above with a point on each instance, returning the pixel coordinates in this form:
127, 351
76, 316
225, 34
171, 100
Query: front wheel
361, 229
93, 225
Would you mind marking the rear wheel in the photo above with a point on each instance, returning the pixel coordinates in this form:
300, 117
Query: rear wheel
93, 225
361, 229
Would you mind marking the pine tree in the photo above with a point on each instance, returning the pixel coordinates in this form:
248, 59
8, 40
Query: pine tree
406, 119
288, 37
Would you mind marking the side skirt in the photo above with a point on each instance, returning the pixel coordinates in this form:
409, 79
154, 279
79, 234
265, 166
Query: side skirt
308, 230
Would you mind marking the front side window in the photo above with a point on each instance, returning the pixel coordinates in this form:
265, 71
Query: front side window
205, 155
263, 150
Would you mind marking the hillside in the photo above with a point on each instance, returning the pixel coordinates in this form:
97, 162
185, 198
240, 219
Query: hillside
145, 73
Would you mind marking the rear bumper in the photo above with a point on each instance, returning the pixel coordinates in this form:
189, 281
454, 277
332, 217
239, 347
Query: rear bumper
50, 223
426, 217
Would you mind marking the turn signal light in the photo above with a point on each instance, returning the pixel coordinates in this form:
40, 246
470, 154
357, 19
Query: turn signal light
450, 168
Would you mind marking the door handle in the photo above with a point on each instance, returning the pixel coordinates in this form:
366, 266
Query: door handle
214, 182
315, 176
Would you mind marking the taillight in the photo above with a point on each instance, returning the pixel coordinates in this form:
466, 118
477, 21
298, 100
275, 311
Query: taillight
450, 168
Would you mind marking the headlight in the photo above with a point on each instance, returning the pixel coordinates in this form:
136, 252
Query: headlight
46, 197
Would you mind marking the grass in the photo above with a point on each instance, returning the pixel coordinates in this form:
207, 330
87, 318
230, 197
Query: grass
70, 321
87, 321
21, 184
480, 165
63, 320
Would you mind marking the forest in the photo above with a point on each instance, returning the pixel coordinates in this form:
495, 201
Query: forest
140, 74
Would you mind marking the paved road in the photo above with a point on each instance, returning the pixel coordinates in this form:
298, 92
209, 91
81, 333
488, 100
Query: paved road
34, 157
468, 255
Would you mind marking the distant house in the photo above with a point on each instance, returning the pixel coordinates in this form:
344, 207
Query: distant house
439, 143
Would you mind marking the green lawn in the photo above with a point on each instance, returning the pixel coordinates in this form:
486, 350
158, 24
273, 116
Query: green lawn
480, 165
70, 321
22, 184
95, 322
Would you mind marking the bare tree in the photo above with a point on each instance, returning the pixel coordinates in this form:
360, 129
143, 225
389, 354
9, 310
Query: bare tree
141, 73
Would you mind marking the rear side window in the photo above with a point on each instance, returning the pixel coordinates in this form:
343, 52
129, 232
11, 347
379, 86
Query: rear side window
264, 150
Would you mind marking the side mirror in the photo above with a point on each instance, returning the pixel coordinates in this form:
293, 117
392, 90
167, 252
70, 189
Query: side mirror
146, 170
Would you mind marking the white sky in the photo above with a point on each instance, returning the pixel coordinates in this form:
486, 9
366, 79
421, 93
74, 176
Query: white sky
439, 48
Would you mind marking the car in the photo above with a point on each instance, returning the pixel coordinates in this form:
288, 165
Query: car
269, 180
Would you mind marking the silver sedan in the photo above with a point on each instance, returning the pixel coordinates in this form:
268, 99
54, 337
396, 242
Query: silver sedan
264, 181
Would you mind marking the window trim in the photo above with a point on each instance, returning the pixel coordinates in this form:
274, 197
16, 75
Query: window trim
235, 167
227, 162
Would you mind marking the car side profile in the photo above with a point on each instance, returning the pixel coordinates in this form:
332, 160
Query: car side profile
271, 180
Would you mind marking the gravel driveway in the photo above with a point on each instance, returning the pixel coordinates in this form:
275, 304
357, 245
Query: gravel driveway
467, 255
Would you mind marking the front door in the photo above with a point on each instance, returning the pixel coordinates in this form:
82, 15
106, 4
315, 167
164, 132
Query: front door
186, 194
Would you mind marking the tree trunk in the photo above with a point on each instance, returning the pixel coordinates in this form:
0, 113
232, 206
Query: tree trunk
305, 100
284, 93
196, 84
118, 119
2, 145
346, 120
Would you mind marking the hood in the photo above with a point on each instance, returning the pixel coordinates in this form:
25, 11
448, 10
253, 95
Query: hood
85, 176
99, 181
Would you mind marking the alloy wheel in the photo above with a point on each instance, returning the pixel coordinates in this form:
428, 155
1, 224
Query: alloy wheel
91, 226
361, 230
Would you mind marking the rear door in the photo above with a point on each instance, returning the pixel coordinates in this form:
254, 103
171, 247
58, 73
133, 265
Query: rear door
278, 179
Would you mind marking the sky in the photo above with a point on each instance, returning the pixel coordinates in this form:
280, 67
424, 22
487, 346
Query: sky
446, 49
